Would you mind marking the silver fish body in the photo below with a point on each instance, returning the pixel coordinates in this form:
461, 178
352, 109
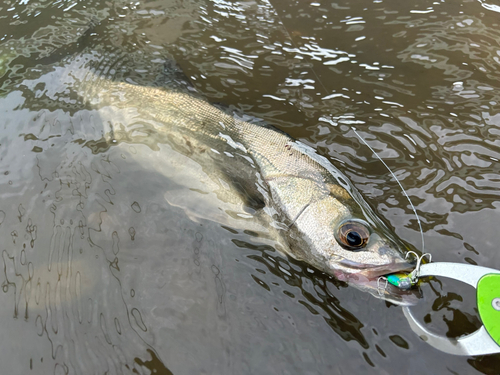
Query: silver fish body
323, 219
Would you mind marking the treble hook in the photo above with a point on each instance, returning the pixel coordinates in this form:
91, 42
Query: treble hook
415, 274
380, 290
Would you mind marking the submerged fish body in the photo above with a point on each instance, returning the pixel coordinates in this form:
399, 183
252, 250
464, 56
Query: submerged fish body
320, 216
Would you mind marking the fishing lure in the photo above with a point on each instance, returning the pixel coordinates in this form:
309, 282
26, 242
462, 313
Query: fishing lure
400, 280
405, 281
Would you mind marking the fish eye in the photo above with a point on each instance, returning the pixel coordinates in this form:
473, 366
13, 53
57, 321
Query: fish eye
352, 235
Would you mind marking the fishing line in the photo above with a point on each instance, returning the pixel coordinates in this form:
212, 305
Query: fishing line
399, 183
355, 132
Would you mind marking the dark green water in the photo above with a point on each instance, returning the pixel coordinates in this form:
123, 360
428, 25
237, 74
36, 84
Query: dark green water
109, 267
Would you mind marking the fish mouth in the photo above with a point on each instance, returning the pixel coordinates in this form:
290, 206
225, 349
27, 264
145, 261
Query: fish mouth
372, 280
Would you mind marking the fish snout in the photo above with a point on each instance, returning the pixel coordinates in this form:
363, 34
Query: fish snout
395, 261
390, 268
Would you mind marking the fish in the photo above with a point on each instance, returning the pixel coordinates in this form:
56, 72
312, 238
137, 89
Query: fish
316, 212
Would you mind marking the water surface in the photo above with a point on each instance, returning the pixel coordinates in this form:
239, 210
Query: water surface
111, 267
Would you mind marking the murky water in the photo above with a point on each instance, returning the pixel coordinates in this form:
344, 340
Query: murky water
109, 265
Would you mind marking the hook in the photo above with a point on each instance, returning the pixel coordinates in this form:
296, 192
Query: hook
415, 274
381, 291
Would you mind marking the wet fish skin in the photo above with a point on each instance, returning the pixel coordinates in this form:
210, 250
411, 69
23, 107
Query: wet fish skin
312, 197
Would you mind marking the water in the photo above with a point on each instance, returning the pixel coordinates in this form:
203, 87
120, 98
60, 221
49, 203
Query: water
110, 267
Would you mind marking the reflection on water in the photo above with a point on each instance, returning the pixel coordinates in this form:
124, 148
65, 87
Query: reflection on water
109, 266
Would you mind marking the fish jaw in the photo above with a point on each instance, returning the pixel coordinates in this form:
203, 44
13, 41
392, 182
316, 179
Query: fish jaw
373, 281
381, 289
375, 271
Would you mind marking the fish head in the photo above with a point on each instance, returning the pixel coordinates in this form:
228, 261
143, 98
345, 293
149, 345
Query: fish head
347, 240
364, 253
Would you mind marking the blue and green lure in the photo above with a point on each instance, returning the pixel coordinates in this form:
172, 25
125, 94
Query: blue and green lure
400, 280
